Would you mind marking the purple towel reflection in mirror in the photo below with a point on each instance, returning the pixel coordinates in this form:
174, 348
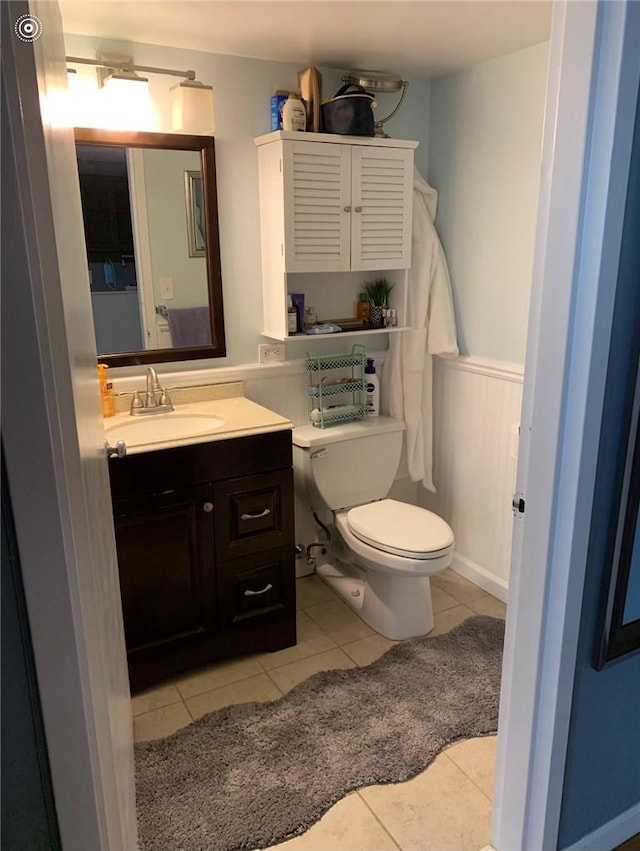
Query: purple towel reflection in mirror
189, 326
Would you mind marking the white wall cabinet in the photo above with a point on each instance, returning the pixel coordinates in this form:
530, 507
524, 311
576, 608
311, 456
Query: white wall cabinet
332, 204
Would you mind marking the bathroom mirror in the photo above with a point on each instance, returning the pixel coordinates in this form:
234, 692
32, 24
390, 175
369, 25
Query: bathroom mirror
150, 213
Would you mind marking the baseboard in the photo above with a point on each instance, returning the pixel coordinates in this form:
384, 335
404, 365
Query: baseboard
303, 569
611, 834
480, 576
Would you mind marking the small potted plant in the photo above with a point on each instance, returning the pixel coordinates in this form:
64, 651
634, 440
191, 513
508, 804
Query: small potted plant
377, 291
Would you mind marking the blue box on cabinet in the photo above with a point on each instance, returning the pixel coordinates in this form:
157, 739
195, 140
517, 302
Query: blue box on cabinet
277, 102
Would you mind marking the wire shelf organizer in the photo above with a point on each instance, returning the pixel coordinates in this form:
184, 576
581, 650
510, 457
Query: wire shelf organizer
336, 387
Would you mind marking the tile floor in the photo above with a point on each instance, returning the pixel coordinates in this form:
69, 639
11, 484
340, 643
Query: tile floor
448, 806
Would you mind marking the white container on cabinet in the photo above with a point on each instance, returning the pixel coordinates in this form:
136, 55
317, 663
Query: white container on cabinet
332, 204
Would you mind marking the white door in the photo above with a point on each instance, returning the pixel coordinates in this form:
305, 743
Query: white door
381, 205
53, 440
317, 202
591, 96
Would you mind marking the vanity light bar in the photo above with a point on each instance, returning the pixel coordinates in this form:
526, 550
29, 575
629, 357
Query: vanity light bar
124, 65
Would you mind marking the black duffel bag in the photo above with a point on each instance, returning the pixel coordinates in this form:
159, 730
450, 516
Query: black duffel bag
349, 113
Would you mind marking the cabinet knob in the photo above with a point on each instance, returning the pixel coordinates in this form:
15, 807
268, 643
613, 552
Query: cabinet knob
207, 507
347, 209
358, 209
119, 450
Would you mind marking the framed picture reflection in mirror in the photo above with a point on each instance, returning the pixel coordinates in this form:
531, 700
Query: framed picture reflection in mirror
195, 213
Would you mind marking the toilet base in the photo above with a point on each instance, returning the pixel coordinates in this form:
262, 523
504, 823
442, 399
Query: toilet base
396, 606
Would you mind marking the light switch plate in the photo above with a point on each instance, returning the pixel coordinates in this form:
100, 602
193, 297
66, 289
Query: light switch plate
166, 288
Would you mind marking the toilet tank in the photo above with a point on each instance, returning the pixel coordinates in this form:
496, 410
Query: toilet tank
348, 464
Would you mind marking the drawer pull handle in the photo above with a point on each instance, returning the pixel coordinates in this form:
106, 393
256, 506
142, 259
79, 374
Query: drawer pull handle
250, 593
264, 513
207, 507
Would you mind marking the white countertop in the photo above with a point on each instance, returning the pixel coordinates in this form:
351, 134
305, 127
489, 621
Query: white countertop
240, 417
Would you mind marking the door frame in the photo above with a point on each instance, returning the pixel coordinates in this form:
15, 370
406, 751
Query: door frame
588, 133
534, 714
142, 247
53, 439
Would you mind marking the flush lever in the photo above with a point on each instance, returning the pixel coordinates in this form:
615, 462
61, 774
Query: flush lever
319, 453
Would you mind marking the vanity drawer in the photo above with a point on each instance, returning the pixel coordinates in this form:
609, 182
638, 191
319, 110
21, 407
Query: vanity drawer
256, 586
253, 514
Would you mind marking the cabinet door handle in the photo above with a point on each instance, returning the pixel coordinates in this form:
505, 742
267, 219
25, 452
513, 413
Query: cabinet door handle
358, 209
347, 209
207, 507
265, 513
250, 593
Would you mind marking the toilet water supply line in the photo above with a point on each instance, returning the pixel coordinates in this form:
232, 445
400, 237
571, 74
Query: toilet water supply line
310, 557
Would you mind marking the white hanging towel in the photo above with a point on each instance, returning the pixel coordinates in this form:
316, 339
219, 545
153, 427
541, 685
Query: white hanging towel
407, 376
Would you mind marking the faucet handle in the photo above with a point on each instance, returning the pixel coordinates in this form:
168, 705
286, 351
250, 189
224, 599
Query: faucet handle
165, 399
136, 403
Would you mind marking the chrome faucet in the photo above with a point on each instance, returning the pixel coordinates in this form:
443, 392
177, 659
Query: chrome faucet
156, 399
153, 388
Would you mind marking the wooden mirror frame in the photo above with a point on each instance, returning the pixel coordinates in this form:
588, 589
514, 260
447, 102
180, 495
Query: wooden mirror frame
206, 147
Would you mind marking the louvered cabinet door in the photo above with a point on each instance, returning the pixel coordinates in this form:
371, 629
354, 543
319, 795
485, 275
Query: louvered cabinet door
382, 194
317, 186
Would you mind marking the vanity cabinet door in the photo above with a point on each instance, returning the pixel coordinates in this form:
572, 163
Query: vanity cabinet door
166, 563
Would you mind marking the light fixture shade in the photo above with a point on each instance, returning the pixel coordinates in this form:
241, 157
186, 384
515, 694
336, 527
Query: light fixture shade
192, 108
125, 102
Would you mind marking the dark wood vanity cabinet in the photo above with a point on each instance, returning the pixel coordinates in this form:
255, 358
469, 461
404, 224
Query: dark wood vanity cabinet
205, 543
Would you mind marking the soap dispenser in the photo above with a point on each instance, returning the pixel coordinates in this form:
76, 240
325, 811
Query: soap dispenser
372, 389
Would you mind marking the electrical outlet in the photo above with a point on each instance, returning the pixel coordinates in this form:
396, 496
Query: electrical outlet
271, 353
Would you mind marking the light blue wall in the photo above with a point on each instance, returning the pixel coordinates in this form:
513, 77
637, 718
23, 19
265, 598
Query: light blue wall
602, 773
485, 134
242, 93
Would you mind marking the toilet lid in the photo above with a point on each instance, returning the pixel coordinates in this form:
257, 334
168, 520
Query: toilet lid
400, 528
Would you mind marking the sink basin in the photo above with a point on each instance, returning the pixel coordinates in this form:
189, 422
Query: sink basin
156, 429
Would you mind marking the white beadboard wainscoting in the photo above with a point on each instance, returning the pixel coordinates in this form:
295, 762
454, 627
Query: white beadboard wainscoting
476, 404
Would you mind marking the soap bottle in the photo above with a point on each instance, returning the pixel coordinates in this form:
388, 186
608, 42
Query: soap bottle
372, 389
362, 309
106, 392
294, 115
292, 317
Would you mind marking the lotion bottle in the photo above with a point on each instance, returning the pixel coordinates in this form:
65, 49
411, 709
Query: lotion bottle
106, 392
372, 389
294, 116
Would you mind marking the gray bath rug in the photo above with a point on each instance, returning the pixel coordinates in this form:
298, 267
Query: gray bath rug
254, 774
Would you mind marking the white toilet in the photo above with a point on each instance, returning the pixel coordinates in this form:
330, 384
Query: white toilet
382, 552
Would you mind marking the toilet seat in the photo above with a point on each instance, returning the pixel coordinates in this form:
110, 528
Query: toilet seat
401, 529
